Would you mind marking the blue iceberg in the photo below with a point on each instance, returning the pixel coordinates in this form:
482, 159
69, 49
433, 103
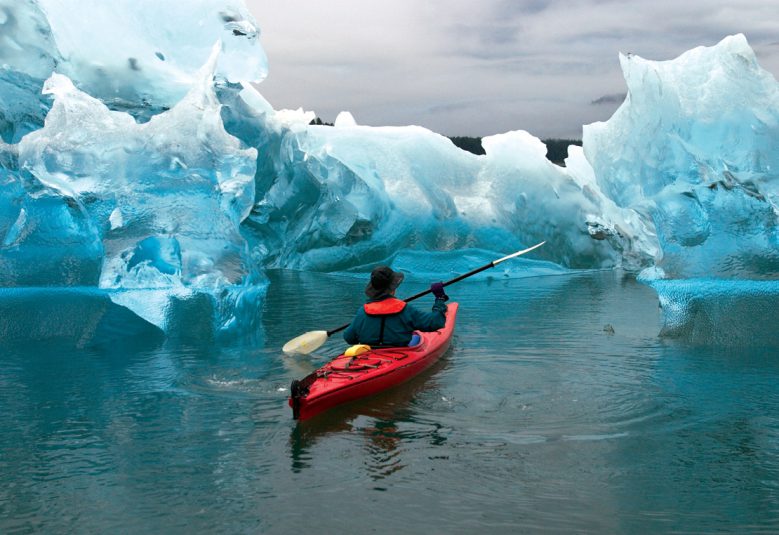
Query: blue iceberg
693, 147
94, 198
704, 128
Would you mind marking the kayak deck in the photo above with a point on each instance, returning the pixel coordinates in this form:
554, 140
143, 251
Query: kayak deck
345, 378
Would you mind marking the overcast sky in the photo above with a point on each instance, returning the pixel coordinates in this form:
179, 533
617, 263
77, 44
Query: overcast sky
462, 67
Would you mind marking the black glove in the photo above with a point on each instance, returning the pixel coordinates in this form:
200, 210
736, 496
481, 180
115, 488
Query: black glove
438, 291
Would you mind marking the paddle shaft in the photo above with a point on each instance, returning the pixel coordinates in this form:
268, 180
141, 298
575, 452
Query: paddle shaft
420, 294
311, 340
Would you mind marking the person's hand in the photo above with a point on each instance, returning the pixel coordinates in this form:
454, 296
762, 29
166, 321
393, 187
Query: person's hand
438, 291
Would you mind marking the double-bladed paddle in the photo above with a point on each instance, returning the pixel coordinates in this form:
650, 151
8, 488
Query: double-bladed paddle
312, 340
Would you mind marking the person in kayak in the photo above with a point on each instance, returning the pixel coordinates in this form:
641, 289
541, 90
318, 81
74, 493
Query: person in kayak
386, 321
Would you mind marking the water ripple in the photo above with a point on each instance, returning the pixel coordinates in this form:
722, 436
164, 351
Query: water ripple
537, 420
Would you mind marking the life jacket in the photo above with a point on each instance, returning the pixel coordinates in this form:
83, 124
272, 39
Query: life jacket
385, 307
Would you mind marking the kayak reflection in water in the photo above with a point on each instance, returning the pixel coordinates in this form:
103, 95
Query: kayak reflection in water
386, 321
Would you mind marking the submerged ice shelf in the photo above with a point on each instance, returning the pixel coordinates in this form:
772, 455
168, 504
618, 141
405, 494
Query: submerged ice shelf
134, 169
725, 313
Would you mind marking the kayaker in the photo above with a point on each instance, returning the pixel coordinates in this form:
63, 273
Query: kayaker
385, 320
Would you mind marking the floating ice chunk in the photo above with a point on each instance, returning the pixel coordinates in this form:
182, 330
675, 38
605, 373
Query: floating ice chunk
163, 200
355, 194
693, 147
359, 193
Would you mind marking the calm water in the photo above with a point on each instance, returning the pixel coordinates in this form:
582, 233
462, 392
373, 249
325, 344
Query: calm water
537, 420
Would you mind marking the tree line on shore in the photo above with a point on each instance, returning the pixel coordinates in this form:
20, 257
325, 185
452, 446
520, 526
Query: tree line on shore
556, 149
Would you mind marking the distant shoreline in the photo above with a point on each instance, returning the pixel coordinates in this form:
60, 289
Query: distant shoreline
556, 149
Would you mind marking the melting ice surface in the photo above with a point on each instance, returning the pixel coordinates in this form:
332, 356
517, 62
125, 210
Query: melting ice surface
150, 167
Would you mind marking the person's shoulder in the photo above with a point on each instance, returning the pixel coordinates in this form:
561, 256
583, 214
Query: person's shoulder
412, 308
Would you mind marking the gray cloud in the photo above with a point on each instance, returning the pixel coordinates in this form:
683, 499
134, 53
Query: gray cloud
465, 68
450, 107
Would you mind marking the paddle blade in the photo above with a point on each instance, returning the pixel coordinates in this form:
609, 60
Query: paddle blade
518, 253
305, 343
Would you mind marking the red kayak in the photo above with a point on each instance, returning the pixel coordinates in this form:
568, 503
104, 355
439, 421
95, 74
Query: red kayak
345, 378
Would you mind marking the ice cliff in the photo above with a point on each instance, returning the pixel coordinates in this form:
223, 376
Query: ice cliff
140, 159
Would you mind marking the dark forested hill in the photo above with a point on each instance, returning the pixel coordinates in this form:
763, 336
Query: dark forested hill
556, 149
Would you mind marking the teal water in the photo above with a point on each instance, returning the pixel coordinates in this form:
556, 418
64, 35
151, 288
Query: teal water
537, 420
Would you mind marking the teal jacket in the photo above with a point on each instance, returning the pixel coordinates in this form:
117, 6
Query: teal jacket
395, 328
